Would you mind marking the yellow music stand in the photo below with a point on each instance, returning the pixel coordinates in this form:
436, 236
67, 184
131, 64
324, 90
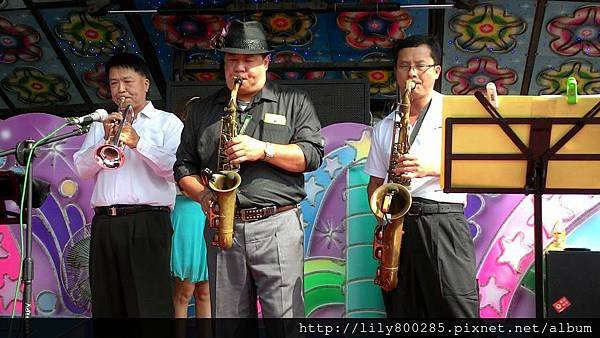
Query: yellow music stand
528, 145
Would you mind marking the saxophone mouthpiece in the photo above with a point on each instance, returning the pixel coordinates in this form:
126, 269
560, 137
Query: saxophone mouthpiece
237, 80
492, 94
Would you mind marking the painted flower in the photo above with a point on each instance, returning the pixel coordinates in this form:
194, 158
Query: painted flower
373, 29
34, 86
96, 78
554, 81
202, 59
202, 76
189, 31
577, 33
18, 42
89, 36
487, 27
478, 72
382, 82
292, 57
287, 29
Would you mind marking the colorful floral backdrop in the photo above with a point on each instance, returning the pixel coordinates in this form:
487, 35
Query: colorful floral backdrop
56, 60
53, 57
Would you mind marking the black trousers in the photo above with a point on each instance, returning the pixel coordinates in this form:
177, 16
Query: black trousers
130, 273
437, 272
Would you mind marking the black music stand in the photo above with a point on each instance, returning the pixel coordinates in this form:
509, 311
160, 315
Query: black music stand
535, 169
21, 152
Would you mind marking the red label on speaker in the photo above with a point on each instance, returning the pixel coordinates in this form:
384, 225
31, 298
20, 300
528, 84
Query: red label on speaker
561, 305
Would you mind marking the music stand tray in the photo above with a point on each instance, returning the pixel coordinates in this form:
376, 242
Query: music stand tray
528, 145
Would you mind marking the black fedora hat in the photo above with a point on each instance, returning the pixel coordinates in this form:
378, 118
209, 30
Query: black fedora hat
245, 38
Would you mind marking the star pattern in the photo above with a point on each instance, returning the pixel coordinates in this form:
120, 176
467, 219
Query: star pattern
329, 233
513, 251
55, 152
491, 295
9, 284
312, 189
332, 165
362, 145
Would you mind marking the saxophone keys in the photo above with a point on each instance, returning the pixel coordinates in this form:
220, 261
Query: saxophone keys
378, 252
379, 233
215, 241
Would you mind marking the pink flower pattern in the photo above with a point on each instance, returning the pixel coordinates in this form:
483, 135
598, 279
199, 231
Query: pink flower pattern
96, 78
374, 29
577, 33
478, 72
18, 42
189, 31
292, 57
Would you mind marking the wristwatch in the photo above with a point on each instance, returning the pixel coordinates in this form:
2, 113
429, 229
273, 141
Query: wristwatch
269, 151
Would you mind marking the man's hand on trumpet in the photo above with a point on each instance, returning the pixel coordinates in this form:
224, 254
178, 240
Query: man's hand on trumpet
129, 136
111, 125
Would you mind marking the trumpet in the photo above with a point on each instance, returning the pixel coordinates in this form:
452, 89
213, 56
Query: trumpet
111, 155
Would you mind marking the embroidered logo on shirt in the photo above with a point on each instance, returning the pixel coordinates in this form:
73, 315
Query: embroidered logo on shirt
274, 119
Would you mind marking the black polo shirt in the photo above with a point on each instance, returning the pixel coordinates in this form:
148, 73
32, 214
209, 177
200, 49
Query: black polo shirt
280, 116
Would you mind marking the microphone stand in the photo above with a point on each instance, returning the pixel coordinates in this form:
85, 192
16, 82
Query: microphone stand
21, 152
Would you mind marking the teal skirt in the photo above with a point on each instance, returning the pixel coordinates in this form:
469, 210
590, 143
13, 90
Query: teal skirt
188, 249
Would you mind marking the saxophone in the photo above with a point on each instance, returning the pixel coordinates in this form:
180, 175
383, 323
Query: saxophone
224, 183
391, 202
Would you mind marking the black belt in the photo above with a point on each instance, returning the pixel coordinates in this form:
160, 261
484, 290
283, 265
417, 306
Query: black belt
255, 214
417, 208
128, 209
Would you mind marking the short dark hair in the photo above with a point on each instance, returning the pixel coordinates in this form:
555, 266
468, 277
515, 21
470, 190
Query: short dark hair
416, 41
130, 61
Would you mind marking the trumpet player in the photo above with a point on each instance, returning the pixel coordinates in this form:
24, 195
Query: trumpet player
133, 195
278, 140
436, 272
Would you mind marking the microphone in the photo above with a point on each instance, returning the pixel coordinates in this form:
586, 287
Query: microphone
98, 115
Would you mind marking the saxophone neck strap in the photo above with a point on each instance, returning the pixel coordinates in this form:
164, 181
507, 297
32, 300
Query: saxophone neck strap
417, 126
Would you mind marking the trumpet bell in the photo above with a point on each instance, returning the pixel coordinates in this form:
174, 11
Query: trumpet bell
109, 156
391, 198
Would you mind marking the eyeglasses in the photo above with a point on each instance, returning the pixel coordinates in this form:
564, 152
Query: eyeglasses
419, 67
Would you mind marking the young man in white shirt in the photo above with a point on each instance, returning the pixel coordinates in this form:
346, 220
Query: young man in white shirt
436, 274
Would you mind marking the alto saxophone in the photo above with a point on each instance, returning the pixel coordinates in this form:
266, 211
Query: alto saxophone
391, 202
224, 183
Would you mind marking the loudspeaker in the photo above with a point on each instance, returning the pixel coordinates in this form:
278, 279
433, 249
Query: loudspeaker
572, 284
335, 100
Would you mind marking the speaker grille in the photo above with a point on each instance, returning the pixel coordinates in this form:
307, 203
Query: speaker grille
572, 280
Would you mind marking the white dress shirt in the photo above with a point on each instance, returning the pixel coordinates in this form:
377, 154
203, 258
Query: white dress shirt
427, 146
147, 174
